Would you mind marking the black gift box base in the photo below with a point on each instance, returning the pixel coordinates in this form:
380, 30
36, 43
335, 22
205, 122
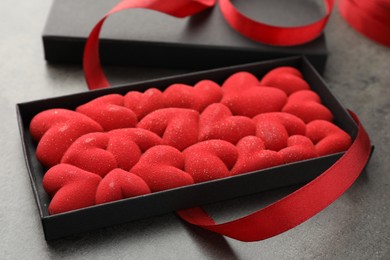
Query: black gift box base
60, 225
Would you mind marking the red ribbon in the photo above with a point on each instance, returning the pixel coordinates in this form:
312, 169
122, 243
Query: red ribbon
297, 207
369, 17
257, 31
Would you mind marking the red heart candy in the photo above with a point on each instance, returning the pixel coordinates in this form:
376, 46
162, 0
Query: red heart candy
144, 103
204, 93
161, 167
210, 160
178, 127
327, 137
293, 124
89, 153
109, 111
119, 184
217, 122
255, 100
239, 81
287, 79
252, 156
275, 128
298, 148
243, 96
70, 187
56, 130
306, 104
47, 119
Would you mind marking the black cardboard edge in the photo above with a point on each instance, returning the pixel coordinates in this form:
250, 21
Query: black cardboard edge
146, 54
27, 156
77, 221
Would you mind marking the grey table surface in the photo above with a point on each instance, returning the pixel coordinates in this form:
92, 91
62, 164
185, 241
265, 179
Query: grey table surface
356, 226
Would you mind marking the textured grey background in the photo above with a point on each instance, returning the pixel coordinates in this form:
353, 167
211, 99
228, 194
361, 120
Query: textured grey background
356, 226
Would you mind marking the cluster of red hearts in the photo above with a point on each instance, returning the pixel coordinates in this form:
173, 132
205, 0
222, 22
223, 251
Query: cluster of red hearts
121, 146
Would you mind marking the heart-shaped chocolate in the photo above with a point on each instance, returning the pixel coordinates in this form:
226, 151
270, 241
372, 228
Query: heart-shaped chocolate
198, 97
327, 137
178, 127
288, 79
275, 128
162, 167
218, 122
119, 184
56, 130
298, 148
144, 103
306, 104
252, 156
210, 160
244, 97
70, 187
109, 112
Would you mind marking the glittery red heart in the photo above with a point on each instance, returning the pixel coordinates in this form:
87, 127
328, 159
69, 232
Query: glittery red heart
307, 105
244, 97
275, 128
178, 127
109, 112
162, 167
56, 129
144, 103
218, 122
119, 184
253, 156
298, 148
198, 97
210, 160
288, 79
70, 187
327, 137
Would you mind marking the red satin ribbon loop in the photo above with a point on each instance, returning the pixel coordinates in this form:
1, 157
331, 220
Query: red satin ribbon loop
369, 17
93, 71
297, 207
274, 35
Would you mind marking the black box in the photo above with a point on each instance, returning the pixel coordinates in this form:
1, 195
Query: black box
142, 37
94, 217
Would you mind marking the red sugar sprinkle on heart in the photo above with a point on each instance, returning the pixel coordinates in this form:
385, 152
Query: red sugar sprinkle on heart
116, 147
